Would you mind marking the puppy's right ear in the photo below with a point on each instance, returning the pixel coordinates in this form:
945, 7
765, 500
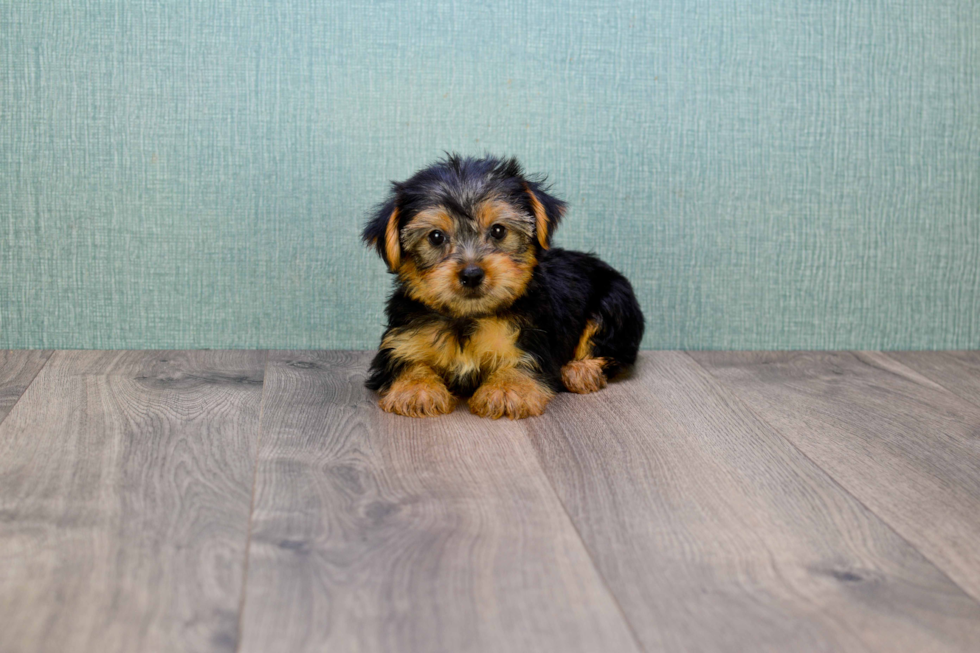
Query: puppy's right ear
381, 232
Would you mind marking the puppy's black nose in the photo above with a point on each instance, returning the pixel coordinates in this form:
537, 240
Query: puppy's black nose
471, 276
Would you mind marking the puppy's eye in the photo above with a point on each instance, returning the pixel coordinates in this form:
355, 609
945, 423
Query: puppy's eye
436, 238
498, 231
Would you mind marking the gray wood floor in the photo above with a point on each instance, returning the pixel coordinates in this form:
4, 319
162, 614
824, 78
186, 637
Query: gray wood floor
710, 501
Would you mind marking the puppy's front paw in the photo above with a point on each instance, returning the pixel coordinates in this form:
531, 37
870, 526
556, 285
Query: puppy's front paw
584, 376
418, 395
512, 394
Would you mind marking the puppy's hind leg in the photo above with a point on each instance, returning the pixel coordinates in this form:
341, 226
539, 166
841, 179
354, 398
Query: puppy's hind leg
584, 373
608, 343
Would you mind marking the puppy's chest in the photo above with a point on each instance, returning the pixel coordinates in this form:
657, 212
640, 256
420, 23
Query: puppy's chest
460, 350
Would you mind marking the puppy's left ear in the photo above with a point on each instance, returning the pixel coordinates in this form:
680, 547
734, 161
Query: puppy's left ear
381, 232
547, 209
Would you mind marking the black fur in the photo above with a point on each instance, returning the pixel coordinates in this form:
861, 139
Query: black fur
567, 288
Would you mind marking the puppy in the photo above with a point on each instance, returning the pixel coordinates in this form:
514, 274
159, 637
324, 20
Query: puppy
483, 306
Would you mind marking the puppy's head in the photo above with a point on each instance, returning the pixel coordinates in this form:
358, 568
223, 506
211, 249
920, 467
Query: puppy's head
463, 235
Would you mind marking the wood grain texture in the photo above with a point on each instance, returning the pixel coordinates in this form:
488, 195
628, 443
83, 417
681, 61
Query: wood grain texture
906, 447
957, 371
715, 534
374, 532
17, 369
125, 484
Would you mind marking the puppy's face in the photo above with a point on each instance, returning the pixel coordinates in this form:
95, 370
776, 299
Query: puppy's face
469, 262
464, 235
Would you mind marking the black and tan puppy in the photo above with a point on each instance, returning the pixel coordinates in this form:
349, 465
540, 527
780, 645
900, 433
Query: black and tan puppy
483, 307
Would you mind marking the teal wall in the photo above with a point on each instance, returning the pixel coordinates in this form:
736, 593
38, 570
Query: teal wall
771, 174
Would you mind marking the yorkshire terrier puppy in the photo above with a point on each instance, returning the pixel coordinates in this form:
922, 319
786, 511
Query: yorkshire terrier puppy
483, 307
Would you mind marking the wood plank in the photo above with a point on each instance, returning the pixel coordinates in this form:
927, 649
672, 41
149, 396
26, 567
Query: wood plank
374, 532
957, 371
907, 448
17, 369
715, 534
125, 485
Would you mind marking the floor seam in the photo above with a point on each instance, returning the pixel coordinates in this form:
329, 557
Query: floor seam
51, 353
833, 479
251, 509
930, 377
585, 546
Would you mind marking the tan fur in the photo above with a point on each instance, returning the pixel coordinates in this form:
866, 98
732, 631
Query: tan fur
540, 219
486, 213
584, 348
492, 346
495, 211
584, 376
393, 249
439, 287
433, 219
418, 392
510, 392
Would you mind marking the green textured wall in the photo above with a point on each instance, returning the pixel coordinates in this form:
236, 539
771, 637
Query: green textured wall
771, 174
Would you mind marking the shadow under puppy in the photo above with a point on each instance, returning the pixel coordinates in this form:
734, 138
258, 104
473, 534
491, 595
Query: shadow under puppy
483, 306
